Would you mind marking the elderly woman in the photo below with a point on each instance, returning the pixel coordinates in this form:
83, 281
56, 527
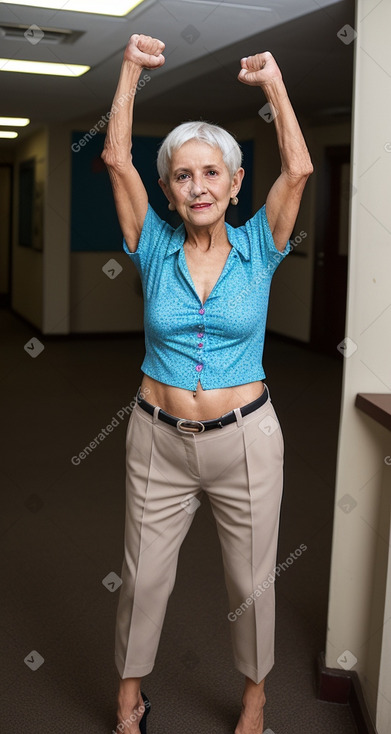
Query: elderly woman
208, 424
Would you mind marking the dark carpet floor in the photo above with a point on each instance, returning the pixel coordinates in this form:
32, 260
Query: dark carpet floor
61, 534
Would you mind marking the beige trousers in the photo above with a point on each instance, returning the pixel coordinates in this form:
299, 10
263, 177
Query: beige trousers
240, 468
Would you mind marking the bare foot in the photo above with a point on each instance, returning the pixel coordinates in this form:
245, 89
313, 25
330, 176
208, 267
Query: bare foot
251, 717
129, 712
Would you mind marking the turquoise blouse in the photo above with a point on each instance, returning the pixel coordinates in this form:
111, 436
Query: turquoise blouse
219, 342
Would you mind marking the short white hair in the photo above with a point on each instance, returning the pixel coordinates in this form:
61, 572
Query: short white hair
205, 132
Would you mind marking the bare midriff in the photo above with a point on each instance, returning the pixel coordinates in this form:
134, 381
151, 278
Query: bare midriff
199, 404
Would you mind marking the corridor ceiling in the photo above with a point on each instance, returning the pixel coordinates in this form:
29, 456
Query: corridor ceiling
205, 40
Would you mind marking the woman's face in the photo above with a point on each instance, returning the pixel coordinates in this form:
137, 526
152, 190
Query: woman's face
200, 185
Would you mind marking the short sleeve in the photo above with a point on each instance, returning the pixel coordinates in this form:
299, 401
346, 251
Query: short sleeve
260, 236
154, 235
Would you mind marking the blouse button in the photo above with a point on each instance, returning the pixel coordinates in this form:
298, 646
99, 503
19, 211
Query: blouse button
199, 367
200, 334
201, 311
200, 344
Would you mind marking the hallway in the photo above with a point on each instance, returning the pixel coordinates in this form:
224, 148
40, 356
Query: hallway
61, 533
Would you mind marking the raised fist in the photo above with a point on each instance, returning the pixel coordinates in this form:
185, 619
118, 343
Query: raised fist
259, 70
145, 51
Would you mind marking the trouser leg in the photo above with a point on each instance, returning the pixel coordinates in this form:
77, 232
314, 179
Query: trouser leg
158, 517
245, 490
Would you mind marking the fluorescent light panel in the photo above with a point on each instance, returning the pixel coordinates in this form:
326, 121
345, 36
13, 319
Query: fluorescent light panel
98, 7
14, 121
8, 134
42, 67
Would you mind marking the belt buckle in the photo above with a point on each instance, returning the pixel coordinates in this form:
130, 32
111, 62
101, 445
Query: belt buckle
181, 422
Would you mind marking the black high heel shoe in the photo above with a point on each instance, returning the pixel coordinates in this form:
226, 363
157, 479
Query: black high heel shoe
143, 720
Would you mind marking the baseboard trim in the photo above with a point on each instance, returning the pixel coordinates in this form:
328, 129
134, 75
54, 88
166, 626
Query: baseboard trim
343, 686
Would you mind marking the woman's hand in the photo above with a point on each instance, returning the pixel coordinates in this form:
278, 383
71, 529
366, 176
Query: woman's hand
145, 51
259, 70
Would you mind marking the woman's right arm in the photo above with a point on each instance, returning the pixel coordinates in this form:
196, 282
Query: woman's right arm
130, 196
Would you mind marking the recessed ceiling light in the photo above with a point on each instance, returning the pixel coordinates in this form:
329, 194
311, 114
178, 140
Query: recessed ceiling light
98, 7
8, 134
15, 121
42, 67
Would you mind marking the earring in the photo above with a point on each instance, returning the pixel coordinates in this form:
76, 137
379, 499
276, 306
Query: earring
171, 207
234, 200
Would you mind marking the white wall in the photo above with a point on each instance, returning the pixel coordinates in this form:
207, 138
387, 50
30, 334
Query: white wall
5, 200
97, 303
40, 279
360, 602
56, 255
27, 263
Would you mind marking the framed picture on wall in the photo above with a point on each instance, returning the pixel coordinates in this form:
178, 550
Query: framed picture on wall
38, 215
30, 200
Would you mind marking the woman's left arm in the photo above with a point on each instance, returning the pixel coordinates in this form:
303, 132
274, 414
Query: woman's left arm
283, 200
